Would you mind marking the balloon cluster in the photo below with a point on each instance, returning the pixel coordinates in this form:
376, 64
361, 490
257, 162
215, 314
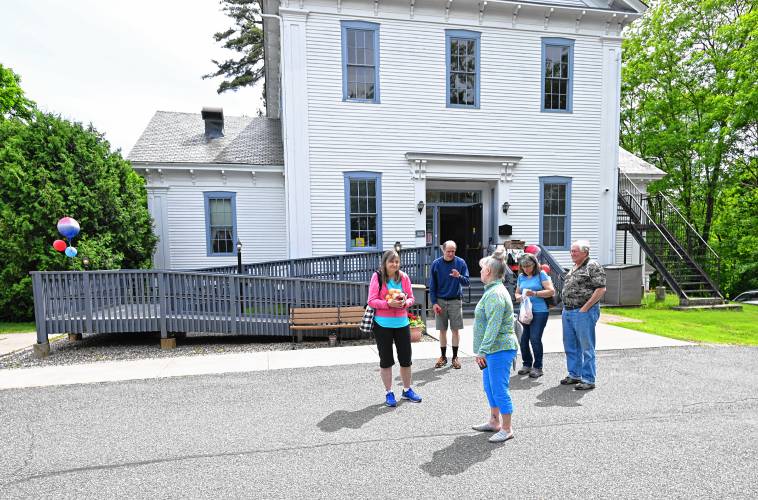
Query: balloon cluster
68, 228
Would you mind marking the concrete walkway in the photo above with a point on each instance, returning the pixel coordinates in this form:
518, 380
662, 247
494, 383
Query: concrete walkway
608, 338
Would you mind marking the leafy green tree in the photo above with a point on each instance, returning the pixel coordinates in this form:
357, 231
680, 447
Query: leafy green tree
246, 39
690, 104
736, 229
52, 168
13, 102
689, 98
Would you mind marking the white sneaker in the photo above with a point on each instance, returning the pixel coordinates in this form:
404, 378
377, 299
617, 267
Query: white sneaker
501, 436
485, 428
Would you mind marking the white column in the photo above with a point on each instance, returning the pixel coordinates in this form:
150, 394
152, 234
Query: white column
157, 205
609, 144
419, 190
503, 194
295, 129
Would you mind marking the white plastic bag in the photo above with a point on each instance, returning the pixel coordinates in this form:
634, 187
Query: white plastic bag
525, 312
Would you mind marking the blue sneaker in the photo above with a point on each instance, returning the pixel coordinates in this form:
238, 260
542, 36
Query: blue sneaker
411, 396
390, 400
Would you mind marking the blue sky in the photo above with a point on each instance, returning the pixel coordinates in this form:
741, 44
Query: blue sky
115, 63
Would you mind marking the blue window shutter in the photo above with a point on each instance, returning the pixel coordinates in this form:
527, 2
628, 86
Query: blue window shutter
561, 43
370, 178
360, 26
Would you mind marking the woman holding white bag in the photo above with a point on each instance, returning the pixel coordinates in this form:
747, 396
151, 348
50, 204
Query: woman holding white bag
533, 286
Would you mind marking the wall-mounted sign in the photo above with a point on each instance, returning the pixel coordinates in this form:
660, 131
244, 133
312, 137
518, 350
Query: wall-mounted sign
420, 233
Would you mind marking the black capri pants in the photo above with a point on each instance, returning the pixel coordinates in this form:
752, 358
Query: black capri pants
384, 339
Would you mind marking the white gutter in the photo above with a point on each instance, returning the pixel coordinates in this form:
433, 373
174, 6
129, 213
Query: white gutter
568, 8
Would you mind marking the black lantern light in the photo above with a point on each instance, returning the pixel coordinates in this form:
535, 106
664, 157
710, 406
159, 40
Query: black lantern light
506, 206
420, 206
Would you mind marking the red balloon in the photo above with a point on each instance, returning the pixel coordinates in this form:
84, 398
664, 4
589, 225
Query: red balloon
59, 245
532, 249
545, 267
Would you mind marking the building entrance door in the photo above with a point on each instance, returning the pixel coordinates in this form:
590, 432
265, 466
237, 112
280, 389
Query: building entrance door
452, 216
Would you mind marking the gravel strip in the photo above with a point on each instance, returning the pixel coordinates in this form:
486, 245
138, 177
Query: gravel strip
126, 346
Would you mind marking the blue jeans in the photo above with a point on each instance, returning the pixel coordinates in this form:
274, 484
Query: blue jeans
533, 335
496, 379
579, 342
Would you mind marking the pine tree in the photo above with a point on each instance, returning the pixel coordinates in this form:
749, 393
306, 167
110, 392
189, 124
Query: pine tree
246, 39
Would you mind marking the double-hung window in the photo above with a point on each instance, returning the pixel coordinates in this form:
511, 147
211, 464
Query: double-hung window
363, 211
462, 62
220, 223
360, 61
557, 74
555, 212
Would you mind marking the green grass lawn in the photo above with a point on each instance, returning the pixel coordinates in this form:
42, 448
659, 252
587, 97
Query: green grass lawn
715, 326
6, 327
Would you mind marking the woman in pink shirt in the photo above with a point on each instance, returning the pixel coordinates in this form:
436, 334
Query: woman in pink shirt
390, 294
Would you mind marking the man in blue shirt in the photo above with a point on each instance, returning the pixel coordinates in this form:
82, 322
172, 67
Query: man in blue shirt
449, 274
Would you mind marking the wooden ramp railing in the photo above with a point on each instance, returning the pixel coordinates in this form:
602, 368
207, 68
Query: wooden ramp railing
172, 302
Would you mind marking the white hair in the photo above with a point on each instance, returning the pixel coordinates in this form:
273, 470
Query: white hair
448, 243
584, 245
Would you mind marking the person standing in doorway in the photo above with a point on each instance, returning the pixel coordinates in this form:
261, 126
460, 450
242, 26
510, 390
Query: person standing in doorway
583, 288
449, 274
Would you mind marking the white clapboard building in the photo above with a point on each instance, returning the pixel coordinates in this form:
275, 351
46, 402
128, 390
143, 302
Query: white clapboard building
411, 121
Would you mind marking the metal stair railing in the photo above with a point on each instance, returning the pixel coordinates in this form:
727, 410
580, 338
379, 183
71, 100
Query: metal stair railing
640, 214
657, 213
703, 257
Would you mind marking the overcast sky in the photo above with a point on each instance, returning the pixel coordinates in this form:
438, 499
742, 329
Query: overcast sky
114, 63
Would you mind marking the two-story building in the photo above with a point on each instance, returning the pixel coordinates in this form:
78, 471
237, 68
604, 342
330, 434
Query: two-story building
411, 121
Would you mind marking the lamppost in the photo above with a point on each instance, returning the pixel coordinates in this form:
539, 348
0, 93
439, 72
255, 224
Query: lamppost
239, 273
85, 263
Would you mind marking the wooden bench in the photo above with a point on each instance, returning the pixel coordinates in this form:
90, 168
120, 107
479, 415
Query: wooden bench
324, 318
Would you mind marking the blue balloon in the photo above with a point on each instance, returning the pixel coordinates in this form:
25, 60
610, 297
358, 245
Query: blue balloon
71, 252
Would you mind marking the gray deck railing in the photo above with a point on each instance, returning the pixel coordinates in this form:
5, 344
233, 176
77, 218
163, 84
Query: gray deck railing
175, 302
415, 262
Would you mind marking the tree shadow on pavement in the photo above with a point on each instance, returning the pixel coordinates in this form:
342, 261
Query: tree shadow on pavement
464, 452
560, 395
523, 383
343, 419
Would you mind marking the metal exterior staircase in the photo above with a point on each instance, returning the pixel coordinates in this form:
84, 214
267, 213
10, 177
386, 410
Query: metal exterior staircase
674, 248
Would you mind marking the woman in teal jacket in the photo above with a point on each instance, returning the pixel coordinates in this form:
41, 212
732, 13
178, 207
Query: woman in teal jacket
495, 345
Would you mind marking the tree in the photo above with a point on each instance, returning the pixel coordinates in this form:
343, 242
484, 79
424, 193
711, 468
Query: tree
51, 168
246, 39
13, 102
690, 104
689, 98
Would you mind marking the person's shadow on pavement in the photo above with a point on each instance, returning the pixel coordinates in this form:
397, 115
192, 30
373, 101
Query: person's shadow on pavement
464, 452
424, 377
343, 419
523, 383
560, 395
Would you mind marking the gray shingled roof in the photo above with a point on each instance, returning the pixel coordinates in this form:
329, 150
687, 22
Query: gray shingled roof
593, 4
172, 137
636, 166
